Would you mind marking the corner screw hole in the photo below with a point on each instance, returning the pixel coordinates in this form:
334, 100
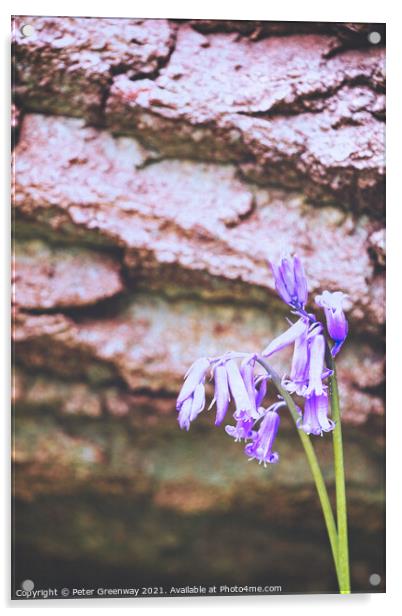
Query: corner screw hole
374, 38
374, 579
27, 585
27, 30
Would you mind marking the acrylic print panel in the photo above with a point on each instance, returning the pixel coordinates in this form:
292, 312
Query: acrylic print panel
198, 307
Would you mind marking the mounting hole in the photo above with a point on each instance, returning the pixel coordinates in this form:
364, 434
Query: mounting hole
27, 30
374, 38
27, 585
374, 579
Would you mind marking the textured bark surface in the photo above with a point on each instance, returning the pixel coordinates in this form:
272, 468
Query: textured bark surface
45, 277
130, 347
67, 64
187, 221
315, 125
301, 111
158, 165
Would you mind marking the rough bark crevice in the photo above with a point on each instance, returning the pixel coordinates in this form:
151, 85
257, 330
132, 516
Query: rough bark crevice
183, 114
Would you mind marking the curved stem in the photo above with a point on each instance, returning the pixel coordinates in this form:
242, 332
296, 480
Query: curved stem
313, 463
341, 510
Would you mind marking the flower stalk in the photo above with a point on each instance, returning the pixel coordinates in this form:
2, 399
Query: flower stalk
313, 464
312, 377
341, 506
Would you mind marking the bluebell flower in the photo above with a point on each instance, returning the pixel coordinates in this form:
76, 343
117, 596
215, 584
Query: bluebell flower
191, 399
337, 324
243, 429
192, 407
256, 388
315, 418
247, 390
287, 338
308, 369
290, 281
261, 446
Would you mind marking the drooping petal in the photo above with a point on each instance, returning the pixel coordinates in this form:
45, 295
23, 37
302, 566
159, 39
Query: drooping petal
315, 416
194, 376
243, 429
261, 446
287, 338
222, 395
300, 359
237, 387
322, 408
261, 392
191, 407
247, 373
316, 365
309, 422
198, 401
185, 414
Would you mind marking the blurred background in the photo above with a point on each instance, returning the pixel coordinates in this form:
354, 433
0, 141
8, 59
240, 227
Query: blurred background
158, 164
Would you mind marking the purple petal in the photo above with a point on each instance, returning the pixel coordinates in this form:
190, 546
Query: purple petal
237, 387
288, 276
198, 401
261, 447
316, 366
222, 395
301, 282
315, 417
243, 430
279, 284
337, 324
298, 371
287, 338
185, 413
194, 376
336, 348
261, 393
247, 373
322, 409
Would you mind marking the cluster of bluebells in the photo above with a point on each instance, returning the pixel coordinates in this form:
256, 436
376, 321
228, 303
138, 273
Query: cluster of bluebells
236, 379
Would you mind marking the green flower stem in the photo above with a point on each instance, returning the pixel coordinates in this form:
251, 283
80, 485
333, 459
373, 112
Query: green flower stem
341, 511
314, 466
